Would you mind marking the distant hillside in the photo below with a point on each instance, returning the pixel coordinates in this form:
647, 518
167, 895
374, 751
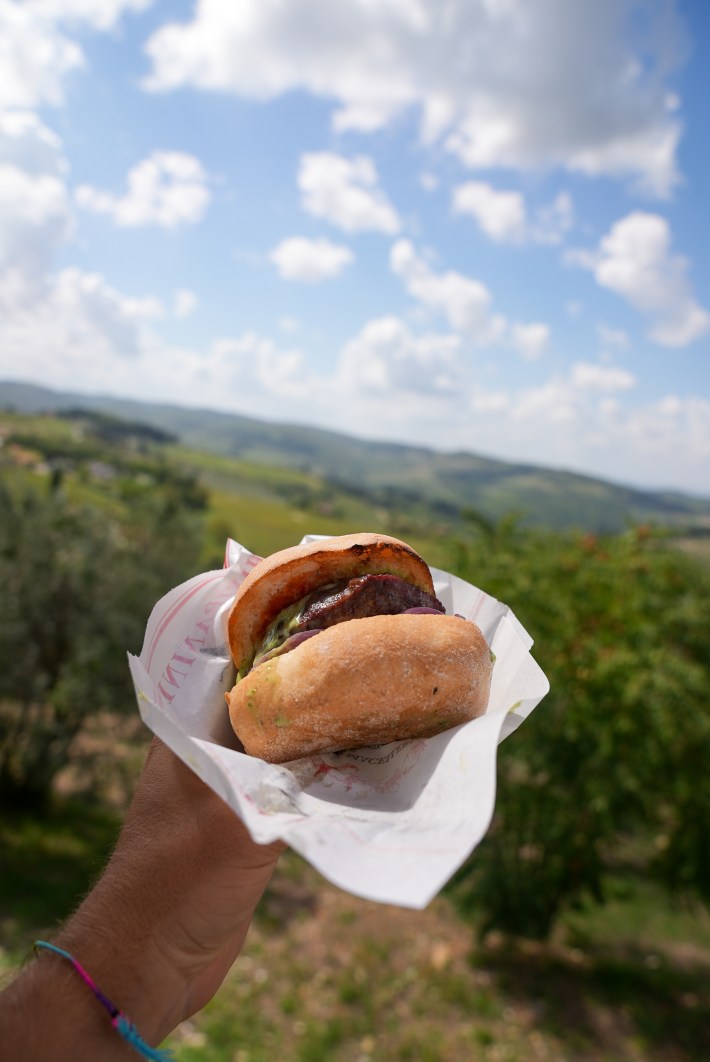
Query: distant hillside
394, 472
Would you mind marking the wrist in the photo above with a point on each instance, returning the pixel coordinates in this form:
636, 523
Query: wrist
48, 1015
126, 961
152, 950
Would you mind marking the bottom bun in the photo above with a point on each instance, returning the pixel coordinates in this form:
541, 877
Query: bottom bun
363, 682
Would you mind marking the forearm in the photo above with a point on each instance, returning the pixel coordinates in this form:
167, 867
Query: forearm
48, 1015
158, 932
148, 948
49, 1012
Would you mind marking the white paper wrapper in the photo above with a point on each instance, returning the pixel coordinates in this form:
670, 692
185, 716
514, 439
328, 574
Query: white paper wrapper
391, 823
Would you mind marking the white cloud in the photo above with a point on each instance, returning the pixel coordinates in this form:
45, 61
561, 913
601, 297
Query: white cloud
465, 303
503, 215
553, 402
35, 212
613, 337
387, 359
25, 141
298, 258
81, 333
289, 324
530, 340
168, 189
635, 260
34, 217
254, 363
36, 52
588, 376
584, 86
98, 14
35, 58
553, 221
590, 426
75, 331
184, 303
345, 192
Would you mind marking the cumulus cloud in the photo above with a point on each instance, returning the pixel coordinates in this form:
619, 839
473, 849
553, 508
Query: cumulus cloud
36, 52
345, 192
503, 215
255, 363
78, 330
26, 142
75, 331
530, 340
168, 189
34, 217
73, 318
184, 303
592, 377
98, 14
581, 403
386, 359
582, 86
634, 260
35, 58
465, 303
663, 443
298, 258
553, 221
35, 211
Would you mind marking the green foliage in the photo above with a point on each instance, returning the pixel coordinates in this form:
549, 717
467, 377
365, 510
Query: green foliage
612, 764
619, 748
77, 589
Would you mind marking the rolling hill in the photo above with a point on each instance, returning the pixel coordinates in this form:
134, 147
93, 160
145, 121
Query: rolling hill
392, 473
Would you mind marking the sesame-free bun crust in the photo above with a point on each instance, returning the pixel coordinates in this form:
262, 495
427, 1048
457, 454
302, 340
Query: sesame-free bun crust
285, 577
363, 682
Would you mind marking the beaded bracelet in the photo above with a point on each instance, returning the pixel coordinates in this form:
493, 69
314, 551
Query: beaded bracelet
123, 1026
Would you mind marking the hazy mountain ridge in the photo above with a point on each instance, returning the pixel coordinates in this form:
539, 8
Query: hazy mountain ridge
447, 481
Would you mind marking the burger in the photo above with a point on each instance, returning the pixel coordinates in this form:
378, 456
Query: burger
342, 643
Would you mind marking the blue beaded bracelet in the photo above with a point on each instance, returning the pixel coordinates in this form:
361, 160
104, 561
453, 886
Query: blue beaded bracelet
123, 1026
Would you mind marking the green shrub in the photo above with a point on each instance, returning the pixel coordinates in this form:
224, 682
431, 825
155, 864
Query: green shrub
616, 755
77, 589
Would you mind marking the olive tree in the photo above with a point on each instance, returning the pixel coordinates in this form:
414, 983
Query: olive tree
77, 584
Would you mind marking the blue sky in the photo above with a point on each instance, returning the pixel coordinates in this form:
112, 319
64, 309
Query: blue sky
473, 224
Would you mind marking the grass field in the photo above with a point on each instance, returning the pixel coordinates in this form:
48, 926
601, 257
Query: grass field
327, 976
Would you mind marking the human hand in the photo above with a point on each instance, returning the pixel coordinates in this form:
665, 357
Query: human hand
169, 915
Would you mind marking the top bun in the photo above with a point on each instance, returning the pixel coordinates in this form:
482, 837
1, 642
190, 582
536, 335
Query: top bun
285, 577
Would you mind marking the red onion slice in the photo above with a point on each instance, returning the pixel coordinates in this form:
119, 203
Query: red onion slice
422, 611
